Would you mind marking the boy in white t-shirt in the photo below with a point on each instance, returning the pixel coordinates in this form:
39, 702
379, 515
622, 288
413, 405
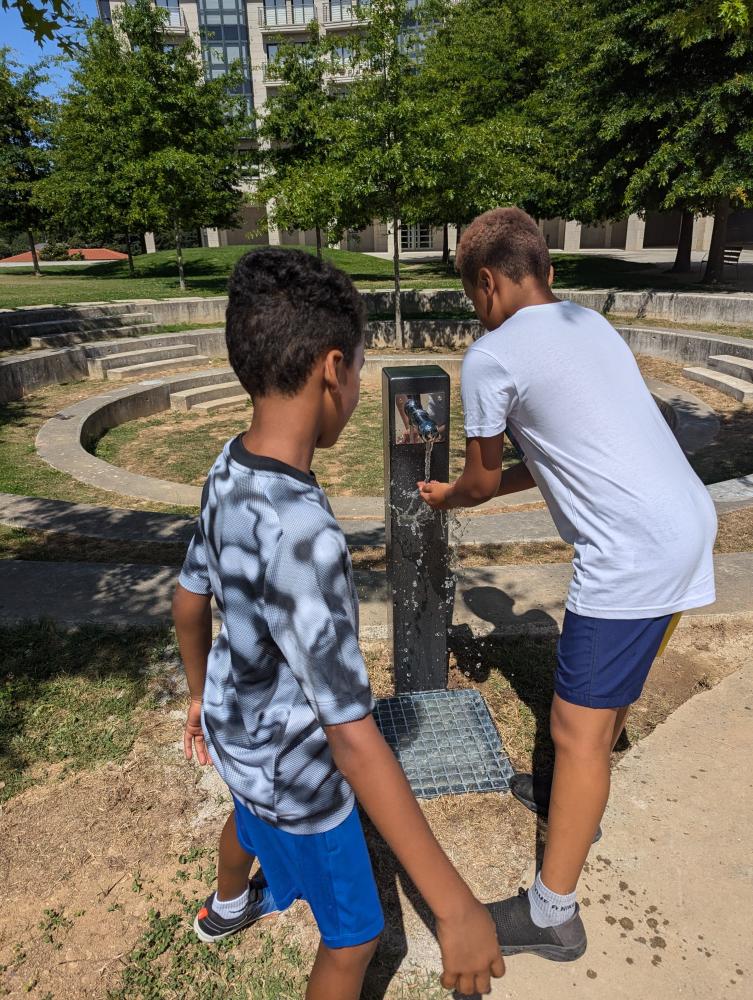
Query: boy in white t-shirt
564, 385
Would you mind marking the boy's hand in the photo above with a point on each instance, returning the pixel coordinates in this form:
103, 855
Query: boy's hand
193, 735
435, 494
470, 950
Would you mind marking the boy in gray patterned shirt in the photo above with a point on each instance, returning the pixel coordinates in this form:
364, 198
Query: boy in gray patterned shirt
280, 701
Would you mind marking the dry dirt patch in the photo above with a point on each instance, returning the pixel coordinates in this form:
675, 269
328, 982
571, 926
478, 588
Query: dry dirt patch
86, 857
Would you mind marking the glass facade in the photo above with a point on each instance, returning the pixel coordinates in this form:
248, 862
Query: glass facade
224, 40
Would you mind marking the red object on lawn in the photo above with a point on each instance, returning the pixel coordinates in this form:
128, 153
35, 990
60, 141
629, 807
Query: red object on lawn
91, 253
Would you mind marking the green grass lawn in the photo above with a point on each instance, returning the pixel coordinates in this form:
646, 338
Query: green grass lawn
207, 271
70, 697
182, 446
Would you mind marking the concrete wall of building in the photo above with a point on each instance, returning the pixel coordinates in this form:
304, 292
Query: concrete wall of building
662, 229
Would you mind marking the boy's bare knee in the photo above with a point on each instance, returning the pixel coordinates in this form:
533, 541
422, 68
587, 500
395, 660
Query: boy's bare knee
355, 957
581, 732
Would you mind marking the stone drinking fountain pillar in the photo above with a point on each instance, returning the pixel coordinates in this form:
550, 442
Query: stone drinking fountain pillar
445, 740
416, 408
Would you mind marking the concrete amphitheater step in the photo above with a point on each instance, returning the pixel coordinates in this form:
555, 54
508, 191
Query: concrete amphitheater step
219, 405
102, 348
189, 398
41, 328
104, 367
739, 367
89, 336
740, 389
150, 367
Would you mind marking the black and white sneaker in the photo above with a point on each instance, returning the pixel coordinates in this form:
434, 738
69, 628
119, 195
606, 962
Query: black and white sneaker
534, 793
518, 934
209, 926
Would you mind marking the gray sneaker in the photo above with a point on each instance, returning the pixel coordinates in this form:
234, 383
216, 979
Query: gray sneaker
518, 934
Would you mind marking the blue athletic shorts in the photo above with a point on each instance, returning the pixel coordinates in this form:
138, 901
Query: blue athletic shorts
331, 871
604, 662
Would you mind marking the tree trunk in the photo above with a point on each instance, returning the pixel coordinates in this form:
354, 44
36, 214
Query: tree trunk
715, 265
446, 245
683, 264
34, 258
399, 339
131, 270
179, 252
319, 242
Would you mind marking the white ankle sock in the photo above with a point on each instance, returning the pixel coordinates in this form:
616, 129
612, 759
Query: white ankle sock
549, 909
229, 909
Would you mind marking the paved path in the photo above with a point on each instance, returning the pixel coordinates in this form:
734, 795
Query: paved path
495, 599
361, 518
670, 886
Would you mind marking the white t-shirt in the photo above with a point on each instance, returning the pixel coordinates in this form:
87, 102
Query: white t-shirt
617, 483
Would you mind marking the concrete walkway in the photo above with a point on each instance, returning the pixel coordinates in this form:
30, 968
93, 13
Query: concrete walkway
503, 600
361, 518
670, 887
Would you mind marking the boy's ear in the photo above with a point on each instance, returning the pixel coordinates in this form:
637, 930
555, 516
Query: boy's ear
334, 361
550, 279
485, 280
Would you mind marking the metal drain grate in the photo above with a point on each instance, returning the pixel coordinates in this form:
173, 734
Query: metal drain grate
445, 741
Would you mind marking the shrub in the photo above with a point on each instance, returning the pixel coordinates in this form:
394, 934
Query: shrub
54, 251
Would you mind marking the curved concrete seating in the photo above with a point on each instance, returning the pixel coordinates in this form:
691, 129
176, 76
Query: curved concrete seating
63, 441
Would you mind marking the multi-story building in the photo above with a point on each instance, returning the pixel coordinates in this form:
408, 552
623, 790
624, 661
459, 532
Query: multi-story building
249, 31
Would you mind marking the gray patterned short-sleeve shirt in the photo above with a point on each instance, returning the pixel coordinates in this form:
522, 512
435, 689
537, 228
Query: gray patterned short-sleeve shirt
286, 661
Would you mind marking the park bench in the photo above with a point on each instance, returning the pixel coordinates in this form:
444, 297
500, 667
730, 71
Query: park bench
731, 257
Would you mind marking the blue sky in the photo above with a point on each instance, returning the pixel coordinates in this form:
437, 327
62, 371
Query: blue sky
26, 51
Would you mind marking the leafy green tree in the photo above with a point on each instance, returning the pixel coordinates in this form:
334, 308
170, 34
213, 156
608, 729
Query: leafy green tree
482, 64
24, 158
656, 115
46, 19
189, 169
299, 183
382, 144
92, 187
144, 142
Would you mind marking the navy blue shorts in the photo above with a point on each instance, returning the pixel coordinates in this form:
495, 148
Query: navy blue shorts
604, 662
331, 871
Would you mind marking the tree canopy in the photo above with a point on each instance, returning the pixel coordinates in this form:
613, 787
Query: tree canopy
143, 142
25, 117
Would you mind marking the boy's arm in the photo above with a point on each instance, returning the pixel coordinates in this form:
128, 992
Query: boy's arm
466, 933
192, 614
515, 479
479, 481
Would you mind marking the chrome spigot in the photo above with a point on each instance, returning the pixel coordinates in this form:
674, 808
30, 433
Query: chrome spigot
426, 428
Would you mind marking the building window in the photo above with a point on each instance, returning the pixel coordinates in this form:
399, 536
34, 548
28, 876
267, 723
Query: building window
342, 58
303, 11
224, 41
275, 12
416, 237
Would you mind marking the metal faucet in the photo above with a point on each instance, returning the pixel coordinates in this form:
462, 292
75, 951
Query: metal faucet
420, 419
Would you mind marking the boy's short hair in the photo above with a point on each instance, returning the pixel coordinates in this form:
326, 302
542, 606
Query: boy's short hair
507, 239
285, 310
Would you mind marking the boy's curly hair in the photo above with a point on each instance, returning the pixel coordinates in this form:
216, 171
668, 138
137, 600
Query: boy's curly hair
507, 239
285, 310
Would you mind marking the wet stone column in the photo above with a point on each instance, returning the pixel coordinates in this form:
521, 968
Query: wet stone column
416, 411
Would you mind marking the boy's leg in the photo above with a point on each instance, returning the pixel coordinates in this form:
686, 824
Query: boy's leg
583, 740
233, 865
338, 972
619, 724
235, 904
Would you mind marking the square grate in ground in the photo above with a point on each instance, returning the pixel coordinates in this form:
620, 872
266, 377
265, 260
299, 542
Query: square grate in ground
445, 741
